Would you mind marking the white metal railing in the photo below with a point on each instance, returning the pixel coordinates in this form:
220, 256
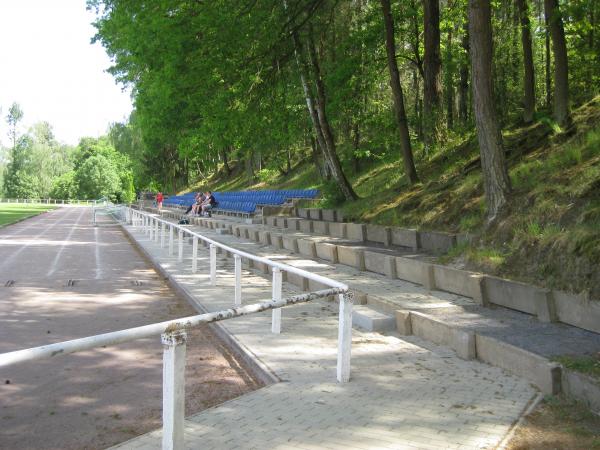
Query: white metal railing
49, 201
173, 334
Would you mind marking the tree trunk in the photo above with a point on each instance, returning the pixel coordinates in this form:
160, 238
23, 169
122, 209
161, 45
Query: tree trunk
495, 175
463, 86
407, 156
432, 69
528, 78
225, 161
561, 64
449, 81
329, 148
548, 77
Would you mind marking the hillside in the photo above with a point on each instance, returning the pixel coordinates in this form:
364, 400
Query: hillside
551, 236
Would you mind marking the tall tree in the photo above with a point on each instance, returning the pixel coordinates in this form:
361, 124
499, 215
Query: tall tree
528, 73
401, 121
432, 70
495, 175
562, 114
14, 116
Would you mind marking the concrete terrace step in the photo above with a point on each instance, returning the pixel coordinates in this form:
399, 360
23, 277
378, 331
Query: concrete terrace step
512, 340
372, 320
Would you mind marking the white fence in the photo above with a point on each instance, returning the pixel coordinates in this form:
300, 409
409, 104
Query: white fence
48, 201
173, 335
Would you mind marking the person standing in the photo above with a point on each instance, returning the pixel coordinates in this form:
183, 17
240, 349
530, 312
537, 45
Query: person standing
159, 200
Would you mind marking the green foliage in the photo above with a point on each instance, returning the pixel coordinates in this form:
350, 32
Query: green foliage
65, 187
20, 184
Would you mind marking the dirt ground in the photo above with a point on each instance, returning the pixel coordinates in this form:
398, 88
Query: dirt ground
97, 398
558, 424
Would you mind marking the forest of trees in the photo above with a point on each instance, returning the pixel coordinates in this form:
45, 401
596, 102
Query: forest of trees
343, 83
37, 166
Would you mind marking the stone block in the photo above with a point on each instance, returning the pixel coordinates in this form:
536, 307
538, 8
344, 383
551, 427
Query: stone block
307, 247
271, 221
577, 310
293, 223
340, 216
290, 243
403, 323
281, 222
461, 282
461, 341
372, 320
223, 231
327, 251
264, 237
320, 227
405, 238
351, 256
415, 271
436, 242
544, 303
540, 371
329, 215
306, 226
380, 263
314, 214
277, 241
380, 234
356, 231
298, 281
303, 212
253, 235
511, 294
337, 229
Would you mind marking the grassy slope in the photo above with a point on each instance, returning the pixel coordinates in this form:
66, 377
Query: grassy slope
551, 235
13, 212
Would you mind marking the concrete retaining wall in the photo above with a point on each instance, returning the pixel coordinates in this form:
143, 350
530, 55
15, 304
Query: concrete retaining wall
377, 233
302, 212
314, 214
320, 227
327, 251
540, 371
337, 229
461, 282
351, 256
415, 271
436, 242
292, 223
577, 310
306, 226
306, 247
329, 215
581, 387
290, 243
405, 238
461, 341
519, 296
380, 263
356, 231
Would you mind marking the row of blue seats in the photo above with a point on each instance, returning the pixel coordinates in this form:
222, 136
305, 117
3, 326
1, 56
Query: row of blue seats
244, 201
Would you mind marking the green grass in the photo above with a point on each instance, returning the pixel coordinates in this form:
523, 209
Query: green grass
13, 212
588, 365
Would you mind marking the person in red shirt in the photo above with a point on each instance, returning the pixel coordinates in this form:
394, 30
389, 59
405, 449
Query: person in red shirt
159, 200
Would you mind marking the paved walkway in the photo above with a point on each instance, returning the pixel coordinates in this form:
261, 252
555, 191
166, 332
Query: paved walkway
404, 393
96, 398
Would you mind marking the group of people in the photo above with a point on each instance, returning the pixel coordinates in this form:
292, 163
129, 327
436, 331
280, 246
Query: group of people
203, 204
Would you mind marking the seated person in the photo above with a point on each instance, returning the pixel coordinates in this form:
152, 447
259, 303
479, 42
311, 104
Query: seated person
198, 199
209, 203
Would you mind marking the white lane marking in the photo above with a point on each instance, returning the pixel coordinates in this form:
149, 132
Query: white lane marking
97, 252
62, 247
9, 259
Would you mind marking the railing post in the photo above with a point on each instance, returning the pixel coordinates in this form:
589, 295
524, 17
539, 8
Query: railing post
173, 389
180, 245
156, 229
238, 279
171, 239
213, 264
163, 233
194, 254
276, 313
344, 337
